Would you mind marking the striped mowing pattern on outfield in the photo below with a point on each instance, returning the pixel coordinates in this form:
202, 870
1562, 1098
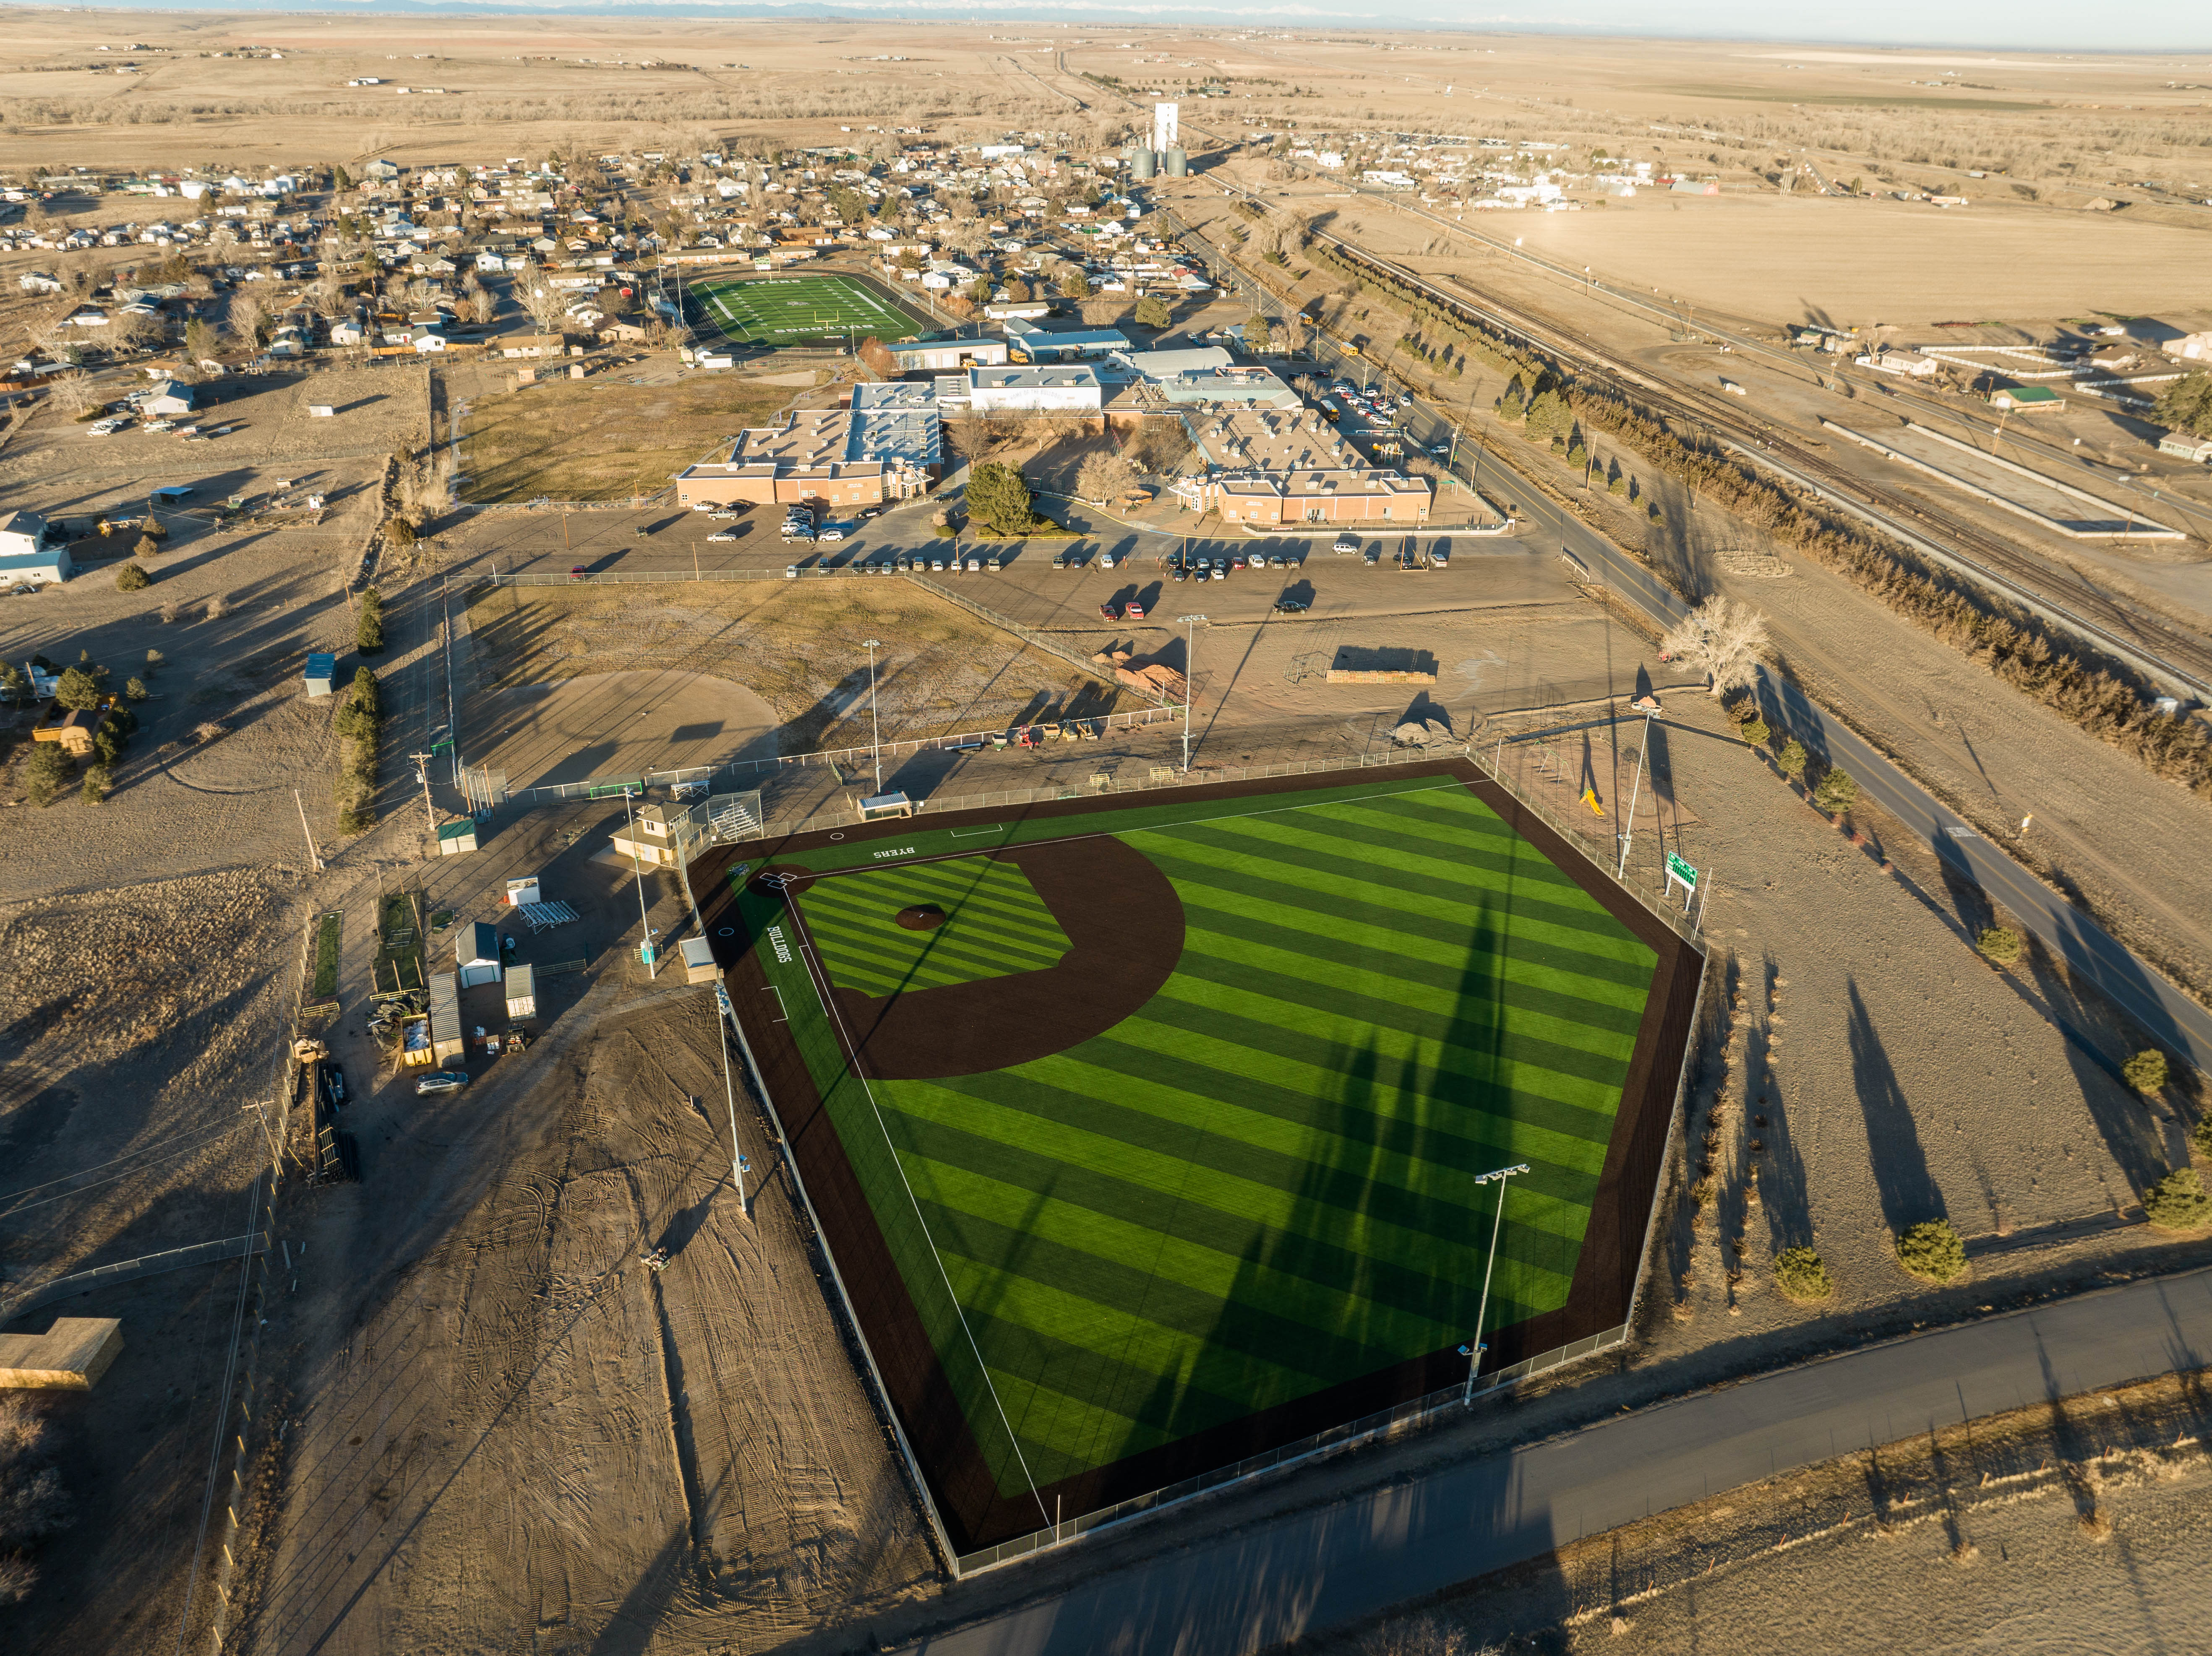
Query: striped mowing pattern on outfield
795, 307
995, 924
1260, 1185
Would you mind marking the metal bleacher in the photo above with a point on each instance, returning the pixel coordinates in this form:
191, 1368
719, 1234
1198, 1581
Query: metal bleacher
544, 916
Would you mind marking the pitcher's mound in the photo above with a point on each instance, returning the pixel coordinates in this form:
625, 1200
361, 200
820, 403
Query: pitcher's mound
923, 917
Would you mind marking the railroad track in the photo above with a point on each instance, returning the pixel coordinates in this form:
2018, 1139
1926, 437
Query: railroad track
2179, 655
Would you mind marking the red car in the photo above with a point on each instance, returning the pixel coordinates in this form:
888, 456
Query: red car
577, 572
1134, 612
1109, 612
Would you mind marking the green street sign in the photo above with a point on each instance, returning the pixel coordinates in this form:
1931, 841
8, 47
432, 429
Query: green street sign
1679, 869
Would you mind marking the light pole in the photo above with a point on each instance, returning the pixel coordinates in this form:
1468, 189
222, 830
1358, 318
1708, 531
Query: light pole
1628, 823
1189, 679
739, 1165
875, 728
1472, 1350
637, 868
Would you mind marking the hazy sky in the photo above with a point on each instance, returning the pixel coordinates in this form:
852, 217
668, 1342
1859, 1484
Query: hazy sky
2141, 26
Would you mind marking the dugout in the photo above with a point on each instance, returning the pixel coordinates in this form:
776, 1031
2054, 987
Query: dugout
882, 807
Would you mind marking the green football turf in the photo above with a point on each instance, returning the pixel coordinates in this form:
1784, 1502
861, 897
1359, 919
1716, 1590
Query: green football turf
1260, 1184
777, 310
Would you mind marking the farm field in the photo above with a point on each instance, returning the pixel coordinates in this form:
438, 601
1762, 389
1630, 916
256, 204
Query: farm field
783, 310
1156, 1125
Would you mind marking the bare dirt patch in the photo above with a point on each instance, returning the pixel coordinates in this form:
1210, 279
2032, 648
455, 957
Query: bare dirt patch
799, 647
616, 724
602, 439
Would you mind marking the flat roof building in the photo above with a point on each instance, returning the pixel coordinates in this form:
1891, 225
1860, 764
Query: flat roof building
1266, 468
946, 355
887, 446
1063, 344
1070, 388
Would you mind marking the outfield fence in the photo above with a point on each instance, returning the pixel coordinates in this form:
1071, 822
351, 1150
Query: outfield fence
1367, 1429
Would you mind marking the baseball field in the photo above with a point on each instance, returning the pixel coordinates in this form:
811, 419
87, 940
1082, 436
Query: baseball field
786, 310
1145, 1134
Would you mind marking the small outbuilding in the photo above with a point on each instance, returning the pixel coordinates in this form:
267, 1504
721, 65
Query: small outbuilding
521, 993
522, 891
454, 838
698, 961
476, 954
322, 668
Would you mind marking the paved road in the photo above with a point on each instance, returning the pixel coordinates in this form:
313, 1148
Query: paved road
2086, 947
1355, 1557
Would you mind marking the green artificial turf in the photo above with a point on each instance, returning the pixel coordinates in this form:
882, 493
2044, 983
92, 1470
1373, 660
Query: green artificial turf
995, 924
777, 310
1260, 1185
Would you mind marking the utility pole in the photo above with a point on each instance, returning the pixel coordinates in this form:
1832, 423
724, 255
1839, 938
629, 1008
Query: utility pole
1189, 680
875, 728
316, 857
423, 776
637, 868
1473, 1349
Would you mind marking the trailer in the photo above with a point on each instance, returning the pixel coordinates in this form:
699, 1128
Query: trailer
447, 1043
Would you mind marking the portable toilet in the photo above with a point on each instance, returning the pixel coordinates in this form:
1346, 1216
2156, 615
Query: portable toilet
448, 1044
521, 993
454, 838
321, 670
698, 961
522, 891
476, 954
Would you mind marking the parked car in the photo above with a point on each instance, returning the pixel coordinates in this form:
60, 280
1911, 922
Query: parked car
1107, 561
1439, 556
577, 572
441, 1081
791, 572
723, 516
1291, 607
722, 535
830, 532
1345, 544
1060, 559
975, 566
1135, 611
1109, 612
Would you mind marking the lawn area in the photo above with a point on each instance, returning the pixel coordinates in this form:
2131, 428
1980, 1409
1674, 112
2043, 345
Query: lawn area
785, 310
1260, 1184
606, 440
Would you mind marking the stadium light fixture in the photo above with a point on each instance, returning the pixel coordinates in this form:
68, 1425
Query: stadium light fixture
1189, 679
875, 728
1473, 1348
645, 926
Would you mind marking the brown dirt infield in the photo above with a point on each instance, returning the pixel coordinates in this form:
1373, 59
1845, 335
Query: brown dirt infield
1125, 922
923, 917
929, 1415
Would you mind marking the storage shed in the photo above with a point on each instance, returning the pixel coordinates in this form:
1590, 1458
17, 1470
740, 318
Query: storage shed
321, 670
448, 1043
521, 991
476, 954
699, 960
454, 838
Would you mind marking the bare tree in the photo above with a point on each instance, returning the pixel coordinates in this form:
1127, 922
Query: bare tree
326, 295
1722, 638
1104, 476
136, 331
249, 318
547, 304
73, 392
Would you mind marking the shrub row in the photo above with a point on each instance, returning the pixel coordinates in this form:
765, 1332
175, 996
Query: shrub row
357, 723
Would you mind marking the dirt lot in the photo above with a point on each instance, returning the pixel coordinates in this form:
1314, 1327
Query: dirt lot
599, 439
2073, 1526
799, 648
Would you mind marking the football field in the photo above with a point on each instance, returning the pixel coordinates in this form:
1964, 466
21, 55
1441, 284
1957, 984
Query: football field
1167, 1115
787, 310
